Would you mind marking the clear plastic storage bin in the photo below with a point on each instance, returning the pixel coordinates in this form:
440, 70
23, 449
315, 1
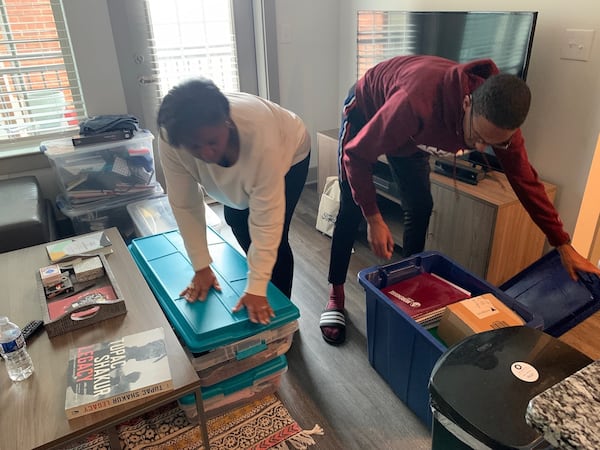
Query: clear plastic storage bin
100, 215
101, 171
154, 216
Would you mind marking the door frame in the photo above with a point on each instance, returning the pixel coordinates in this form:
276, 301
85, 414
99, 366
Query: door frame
586, 237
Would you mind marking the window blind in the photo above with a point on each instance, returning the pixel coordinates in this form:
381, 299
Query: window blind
382, 35
40, 92
192, 38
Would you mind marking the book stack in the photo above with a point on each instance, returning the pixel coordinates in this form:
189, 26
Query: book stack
107, 374
424, 297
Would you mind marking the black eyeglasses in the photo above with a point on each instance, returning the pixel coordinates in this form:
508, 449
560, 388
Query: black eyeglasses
479, 140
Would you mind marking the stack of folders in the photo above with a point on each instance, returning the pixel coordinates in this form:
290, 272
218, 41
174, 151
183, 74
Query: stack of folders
424, 297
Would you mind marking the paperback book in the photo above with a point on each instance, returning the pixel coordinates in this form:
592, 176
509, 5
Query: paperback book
87, 244
425, 296
108, 374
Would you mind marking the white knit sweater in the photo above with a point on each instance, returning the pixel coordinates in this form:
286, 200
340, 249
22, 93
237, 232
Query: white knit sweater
272, 140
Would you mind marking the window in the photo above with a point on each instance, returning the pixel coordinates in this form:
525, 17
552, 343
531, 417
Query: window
382, 35
193, 38
40, 93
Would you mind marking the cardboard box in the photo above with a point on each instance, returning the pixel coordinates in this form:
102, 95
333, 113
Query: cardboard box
475, 315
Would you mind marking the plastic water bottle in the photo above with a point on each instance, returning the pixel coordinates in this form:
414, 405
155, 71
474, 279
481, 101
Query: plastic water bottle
14, 350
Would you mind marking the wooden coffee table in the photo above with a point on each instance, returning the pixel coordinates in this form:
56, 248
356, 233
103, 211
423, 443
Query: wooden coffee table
32, 411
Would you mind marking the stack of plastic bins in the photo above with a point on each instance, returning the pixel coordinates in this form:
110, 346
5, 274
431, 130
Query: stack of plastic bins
402, 351
237, 360
97, 181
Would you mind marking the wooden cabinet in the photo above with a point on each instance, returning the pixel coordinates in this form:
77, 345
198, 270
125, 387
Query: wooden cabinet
484, 227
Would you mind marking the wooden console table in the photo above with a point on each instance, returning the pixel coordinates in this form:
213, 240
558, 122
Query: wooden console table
484, 227
32, 413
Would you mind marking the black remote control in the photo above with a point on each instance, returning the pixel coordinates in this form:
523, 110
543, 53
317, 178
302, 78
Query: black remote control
31, 328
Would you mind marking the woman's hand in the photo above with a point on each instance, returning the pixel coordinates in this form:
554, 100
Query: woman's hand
203, 281
259, 310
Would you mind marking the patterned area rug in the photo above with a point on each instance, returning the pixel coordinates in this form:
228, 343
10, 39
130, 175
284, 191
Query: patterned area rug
262, 424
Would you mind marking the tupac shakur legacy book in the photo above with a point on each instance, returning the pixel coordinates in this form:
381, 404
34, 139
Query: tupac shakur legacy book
111, 373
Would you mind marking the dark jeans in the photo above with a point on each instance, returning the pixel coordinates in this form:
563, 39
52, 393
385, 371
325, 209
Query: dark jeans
412, 176
238, 221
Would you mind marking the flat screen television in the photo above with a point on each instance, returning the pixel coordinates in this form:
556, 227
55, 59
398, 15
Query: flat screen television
506, 37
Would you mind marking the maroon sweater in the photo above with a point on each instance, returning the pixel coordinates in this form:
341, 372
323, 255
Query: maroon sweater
413, 100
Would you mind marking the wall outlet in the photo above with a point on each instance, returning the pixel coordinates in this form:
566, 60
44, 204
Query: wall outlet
576, 44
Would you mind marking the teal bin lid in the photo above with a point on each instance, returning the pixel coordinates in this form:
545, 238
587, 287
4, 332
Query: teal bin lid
206, 325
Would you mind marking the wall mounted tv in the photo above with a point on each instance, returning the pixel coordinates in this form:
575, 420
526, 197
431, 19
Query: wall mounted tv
505, 37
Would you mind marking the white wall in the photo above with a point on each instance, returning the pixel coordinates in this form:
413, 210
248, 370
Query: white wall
96, 57
564, 121
307, 35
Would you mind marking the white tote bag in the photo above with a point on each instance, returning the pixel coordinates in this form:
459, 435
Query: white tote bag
329, 206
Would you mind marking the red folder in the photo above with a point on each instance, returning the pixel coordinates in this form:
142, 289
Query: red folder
424, 293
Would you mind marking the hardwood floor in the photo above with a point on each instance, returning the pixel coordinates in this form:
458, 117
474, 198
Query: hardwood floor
336, 387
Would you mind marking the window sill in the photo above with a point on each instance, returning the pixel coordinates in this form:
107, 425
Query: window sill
24, 151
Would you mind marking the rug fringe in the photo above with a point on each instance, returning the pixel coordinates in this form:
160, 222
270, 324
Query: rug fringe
304, 439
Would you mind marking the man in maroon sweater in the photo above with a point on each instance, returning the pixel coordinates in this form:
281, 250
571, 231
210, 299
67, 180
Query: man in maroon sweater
403, 105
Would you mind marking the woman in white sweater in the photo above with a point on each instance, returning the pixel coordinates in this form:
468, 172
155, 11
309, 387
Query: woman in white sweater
249, 154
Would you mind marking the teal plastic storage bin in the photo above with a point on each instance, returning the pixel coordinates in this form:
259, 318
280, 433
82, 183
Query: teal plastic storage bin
245, 387
248, 386
403, 352
211, 332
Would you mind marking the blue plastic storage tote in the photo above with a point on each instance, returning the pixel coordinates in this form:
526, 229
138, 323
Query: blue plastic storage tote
401, 351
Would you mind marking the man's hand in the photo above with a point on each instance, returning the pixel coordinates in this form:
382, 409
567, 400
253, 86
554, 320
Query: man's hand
259, 310
573, 261
379, 236
203, 281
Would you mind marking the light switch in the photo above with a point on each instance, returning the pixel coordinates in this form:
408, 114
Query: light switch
576, 44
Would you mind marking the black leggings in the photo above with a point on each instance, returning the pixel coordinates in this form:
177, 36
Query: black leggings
237, 219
